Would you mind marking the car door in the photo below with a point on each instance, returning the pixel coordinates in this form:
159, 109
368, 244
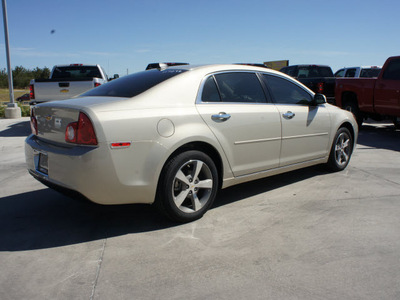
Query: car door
305, 127
387, 90
234, 106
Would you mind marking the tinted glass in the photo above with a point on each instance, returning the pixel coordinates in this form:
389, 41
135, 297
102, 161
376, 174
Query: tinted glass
240, 87
134, 84
369, 73
339, 73
286, 92
392, 71
76, 72
210, 91
350, 73
314, 71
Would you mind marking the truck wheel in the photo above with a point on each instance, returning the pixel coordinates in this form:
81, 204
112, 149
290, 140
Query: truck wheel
341, 150
188, 186
352, 106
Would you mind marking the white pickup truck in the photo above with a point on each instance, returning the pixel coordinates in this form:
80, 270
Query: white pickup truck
66, 81
359, 72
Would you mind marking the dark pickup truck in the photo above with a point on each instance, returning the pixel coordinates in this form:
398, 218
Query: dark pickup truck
318, 78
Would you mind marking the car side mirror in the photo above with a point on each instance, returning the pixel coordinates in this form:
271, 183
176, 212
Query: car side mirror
318, 99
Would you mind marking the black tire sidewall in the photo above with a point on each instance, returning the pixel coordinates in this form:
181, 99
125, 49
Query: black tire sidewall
168, 176
332, 163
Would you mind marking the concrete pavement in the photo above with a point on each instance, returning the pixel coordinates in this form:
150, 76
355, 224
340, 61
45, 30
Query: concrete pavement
308, 234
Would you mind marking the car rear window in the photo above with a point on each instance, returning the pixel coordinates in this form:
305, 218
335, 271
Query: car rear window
134, 84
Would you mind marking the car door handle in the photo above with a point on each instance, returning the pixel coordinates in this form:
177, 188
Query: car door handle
289, 115
221, 117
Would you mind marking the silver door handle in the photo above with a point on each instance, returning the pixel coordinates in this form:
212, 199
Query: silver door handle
221, 117
289, 115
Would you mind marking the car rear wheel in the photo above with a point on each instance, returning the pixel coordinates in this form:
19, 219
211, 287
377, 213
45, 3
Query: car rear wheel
188, 186
341, 150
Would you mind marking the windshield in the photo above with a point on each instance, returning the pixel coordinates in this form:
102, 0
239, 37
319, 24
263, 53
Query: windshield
134, 84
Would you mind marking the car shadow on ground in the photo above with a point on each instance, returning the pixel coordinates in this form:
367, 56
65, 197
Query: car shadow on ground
46, 219
20, 129
384, 136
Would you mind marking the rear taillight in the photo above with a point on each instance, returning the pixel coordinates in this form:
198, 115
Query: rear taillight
320, 88
34, 126
31, 91
81, 132
96, 84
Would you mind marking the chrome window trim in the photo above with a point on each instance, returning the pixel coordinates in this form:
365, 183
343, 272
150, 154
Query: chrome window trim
265, 87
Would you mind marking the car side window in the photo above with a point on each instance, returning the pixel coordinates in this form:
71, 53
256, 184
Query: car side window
240, 87
286, 92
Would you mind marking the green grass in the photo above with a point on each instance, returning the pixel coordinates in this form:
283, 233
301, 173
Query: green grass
5, 98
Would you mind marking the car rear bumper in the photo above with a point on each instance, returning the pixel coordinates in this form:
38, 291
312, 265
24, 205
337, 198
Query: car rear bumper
86, 171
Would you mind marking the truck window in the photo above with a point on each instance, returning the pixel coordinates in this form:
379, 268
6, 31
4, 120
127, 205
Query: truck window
339, 73
314, 71
369, 73
392, 71
350, 72
76, 72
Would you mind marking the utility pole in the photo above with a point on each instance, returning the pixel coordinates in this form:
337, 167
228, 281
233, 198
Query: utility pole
12, 110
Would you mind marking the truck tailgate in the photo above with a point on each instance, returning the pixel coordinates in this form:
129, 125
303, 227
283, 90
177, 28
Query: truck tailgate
60, 90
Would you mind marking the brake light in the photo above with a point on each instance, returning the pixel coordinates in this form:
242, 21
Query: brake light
34, 125
76, 65
81, 132
96, 84
31, 91
320, 88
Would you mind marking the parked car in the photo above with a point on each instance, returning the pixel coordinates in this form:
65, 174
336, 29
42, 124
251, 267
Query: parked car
319, 78
24, 97
363, 72
173, 137
66, 81
375, 98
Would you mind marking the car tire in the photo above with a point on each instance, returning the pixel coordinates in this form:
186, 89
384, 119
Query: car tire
341, 150
188, 186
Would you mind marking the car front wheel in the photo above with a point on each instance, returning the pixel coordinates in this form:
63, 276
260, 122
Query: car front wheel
188, 186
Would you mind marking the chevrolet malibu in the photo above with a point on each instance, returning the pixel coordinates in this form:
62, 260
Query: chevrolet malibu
175, 136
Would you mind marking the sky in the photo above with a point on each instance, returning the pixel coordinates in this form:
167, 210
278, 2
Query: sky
124, 36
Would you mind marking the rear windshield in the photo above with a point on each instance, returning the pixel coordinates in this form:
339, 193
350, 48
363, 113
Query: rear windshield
134, 84
76, 72
314, 71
